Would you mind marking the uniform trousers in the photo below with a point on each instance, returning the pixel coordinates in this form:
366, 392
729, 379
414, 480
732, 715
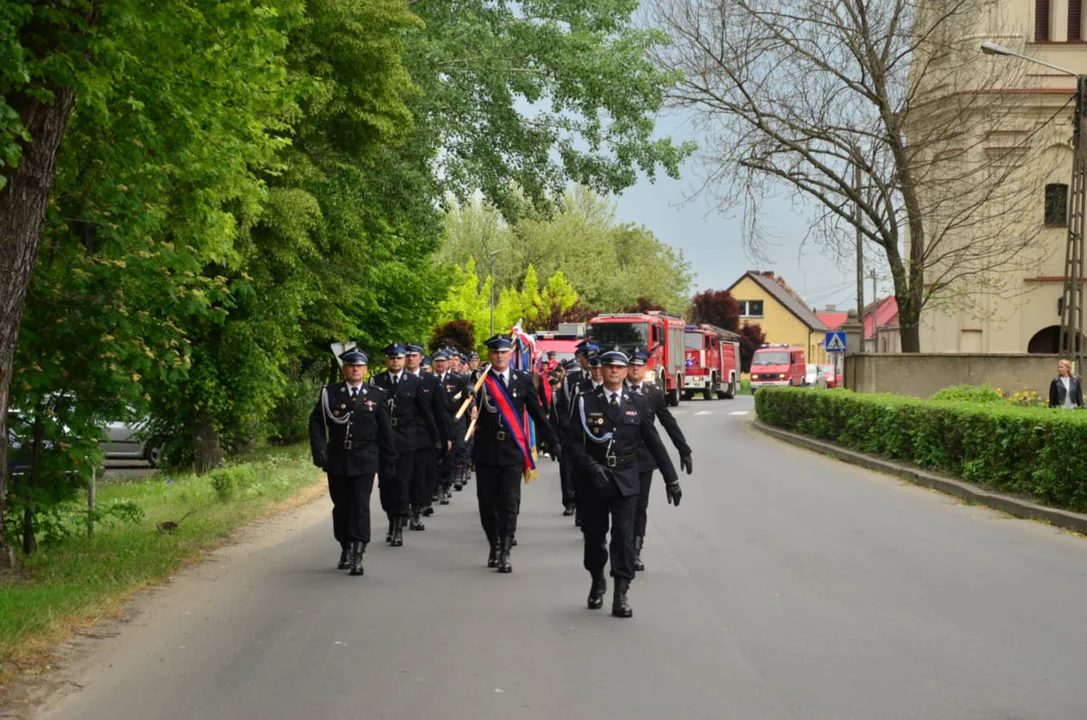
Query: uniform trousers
640, 518
351, 507
498, 490
424, 478
596, 508
566, 479
395, 487
450, 461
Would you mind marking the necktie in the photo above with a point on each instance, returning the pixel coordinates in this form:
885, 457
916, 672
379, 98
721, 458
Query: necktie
615, 399
501, 379
396, 381
354, 393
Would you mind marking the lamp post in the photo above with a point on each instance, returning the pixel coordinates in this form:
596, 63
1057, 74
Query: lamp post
1071, 343
492, 254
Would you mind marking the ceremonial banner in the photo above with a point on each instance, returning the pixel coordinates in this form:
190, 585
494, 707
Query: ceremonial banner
513, 423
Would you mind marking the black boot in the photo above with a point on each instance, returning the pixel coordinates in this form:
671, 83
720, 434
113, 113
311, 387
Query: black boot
619, 606
638, 542
577, 517
398, 532
513, 541
357, 549
504, 565
492, 557
445, 497
416, 523
427, 511
597, 591
392, 529
568, 510
345, 557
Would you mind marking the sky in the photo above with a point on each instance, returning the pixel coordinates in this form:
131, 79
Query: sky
711, 240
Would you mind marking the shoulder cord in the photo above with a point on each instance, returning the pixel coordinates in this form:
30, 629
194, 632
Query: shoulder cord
585, 425
328, 411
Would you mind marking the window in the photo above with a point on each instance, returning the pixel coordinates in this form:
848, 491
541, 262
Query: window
1041, 20
750, 308
1075, 20
1056, 204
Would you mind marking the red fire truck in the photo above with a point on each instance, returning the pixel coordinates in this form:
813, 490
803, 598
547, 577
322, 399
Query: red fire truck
659, 334
713, 362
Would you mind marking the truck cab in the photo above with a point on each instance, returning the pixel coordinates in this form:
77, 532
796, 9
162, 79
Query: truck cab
777, 366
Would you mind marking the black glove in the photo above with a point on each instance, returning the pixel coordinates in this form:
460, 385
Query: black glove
320, 458
685, 463
556, 453
675, 492
601, 478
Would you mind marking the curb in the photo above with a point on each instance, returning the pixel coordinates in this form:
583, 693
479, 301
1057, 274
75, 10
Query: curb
965, 491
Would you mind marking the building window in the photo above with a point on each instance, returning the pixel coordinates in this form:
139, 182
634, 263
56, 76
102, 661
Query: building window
1056, 204
1041, 20
750, 308
1075, 20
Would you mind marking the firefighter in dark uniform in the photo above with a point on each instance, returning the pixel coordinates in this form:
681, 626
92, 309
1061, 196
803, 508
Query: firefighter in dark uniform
454, 392
576, 380
658, 410
424, 480
608, 428
350, 438
499, 460
415, 431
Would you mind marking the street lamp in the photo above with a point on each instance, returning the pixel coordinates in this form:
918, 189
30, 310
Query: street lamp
1072, 300
492, 254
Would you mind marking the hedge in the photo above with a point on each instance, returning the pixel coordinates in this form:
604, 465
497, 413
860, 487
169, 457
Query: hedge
1031, 450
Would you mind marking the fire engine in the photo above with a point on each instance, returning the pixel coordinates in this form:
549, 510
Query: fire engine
777, 365
661, 335
713, 362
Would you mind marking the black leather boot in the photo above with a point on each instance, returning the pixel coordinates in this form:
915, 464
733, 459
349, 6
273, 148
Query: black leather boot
398, 532
416, 523
638, 542
357, 549
392, 528
620, 608
345, 557
492, 556
567, 510
428, 510
445, 497
597, 592
504, 565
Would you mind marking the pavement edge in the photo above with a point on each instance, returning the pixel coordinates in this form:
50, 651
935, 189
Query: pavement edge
1005, 503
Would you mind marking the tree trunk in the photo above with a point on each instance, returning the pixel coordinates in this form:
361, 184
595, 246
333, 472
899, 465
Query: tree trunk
207, 446
22, 216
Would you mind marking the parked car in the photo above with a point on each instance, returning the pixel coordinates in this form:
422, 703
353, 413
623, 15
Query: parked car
814, 377
126, 440
834, 378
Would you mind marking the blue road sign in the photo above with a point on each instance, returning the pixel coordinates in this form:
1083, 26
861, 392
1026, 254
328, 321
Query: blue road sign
835, 341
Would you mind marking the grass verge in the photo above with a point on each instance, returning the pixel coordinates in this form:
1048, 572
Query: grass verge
71, 582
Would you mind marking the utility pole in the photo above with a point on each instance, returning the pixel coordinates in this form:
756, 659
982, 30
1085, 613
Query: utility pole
875, 313
860, 240
492, 254
1071, 345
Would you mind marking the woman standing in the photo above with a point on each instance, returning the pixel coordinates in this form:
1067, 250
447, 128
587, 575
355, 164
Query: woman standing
1065, 391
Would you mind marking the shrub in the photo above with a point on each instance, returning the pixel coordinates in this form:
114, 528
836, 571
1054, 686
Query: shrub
228, 481
969, 393
1001, 445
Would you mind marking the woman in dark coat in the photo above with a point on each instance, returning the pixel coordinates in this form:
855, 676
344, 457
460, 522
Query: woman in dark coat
1065, 390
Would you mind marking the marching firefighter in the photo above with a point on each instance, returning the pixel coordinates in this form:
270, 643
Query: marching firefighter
608, 426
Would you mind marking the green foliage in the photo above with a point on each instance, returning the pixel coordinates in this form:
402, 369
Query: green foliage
1004, 446
968, 393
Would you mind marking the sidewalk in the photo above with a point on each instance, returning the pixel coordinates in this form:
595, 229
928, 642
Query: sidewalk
970, 493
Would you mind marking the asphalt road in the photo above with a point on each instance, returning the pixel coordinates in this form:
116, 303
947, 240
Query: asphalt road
786, 585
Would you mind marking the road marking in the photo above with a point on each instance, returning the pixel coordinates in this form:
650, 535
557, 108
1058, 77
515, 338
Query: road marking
704, 412
739, 412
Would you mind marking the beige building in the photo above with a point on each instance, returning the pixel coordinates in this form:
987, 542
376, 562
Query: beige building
1029, 115
783, 317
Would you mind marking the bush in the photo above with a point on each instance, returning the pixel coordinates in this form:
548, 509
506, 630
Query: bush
969, 393
1001, 445
229, 481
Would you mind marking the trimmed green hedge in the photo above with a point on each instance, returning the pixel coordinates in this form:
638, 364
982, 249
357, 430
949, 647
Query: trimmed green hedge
1031, 450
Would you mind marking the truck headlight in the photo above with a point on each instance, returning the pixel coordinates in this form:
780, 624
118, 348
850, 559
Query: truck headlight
781, 376
650, 375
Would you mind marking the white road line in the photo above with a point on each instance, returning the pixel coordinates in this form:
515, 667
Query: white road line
739, 412
704, 412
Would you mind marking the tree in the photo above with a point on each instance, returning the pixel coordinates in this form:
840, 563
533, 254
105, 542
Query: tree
716, 307
751, 337
556, 299
642, 304
880, 112
457, 334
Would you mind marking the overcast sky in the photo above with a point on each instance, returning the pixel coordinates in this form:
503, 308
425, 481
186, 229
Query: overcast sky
712, 241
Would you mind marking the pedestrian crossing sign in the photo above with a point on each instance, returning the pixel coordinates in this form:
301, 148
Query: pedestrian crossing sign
835, 342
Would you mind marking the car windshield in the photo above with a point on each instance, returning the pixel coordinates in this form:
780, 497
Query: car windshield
693, 340
828, 369
772, 357
627, 336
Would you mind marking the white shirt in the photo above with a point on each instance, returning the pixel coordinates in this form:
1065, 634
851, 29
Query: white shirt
504, 375
1067, 382
618, 395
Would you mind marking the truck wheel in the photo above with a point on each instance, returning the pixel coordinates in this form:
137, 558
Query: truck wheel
730, 391
709, 391
673, 395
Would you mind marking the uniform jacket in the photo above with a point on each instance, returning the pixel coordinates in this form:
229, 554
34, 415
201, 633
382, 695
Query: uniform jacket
1057, 392
432, 393
367, 427
629, 427
410, 412
494, 443
454, 389
658, 410
575, 383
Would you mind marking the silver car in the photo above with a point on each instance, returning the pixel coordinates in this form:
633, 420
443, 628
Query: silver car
814, 377
124, 441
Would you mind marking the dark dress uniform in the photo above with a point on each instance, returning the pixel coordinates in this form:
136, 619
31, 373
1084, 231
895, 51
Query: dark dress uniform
604, 439
575, 382
498, 461
454, 388
415, 431
425, 472
657, 409
351, 437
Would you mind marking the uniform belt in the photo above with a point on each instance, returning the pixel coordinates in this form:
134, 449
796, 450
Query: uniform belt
617, 461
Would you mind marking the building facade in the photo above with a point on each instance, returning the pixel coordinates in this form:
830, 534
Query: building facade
783, 317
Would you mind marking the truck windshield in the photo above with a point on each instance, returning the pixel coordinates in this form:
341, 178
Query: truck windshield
773, 357
627, 336
693, 340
